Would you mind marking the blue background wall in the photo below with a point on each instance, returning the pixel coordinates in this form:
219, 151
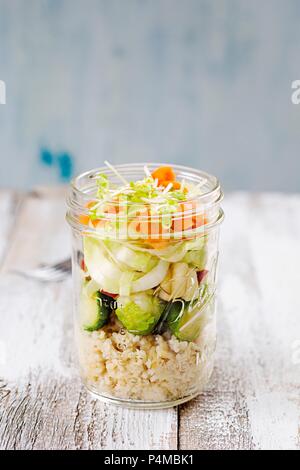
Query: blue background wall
201, 82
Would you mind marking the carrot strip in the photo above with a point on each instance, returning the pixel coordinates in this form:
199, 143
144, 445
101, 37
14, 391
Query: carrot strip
176, 184
164, 173
84, 219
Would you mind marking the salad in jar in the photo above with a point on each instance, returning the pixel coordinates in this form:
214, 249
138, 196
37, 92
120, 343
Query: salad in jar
144, 263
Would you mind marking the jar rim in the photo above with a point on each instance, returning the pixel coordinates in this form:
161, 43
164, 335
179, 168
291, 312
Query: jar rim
189, 173
83, 186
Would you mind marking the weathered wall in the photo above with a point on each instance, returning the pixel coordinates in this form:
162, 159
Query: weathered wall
201, 82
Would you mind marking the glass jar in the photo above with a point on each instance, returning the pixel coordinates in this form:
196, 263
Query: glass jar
144, 290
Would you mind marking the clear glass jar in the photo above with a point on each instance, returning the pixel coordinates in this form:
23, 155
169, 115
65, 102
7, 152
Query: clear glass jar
145, 297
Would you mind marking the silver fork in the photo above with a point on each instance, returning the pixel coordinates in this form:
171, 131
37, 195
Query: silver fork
48, 272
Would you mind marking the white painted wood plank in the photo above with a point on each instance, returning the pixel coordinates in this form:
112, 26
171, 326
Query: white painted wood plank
253, 400
42, 403
9, 204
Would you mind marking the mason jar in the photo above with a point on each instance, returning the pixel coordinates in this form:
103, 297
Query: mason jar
145, 284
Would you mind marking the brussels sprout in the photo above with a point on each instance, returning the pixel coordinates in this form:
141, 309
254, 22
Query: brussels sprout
94, 310
188, 313
139, 313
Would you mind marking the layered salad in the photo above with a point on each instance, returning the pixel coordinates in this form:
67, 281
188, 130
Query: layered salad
145, 323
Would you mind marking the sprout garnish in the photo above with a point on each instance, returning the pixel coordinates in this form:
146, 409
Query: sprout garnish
147, 191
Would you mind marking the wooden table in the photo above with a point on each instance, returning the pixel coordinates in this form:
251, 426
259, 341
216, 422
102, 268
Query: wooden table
253, 399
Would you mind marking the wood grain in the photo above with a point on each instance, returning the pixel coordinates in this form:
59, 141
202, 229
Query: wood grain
253, 401
9, 205
42, 403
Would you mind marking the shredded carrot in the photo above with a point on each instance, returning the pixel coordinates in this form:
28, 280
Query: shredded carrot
163, 174
176, 184
84, 219
187, 217
199, 220
98, 223
182, 224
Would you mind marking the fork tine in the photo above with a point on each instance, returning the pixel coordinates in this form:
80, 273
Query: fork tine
53, 272
47, 272
44, 275
66, 263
